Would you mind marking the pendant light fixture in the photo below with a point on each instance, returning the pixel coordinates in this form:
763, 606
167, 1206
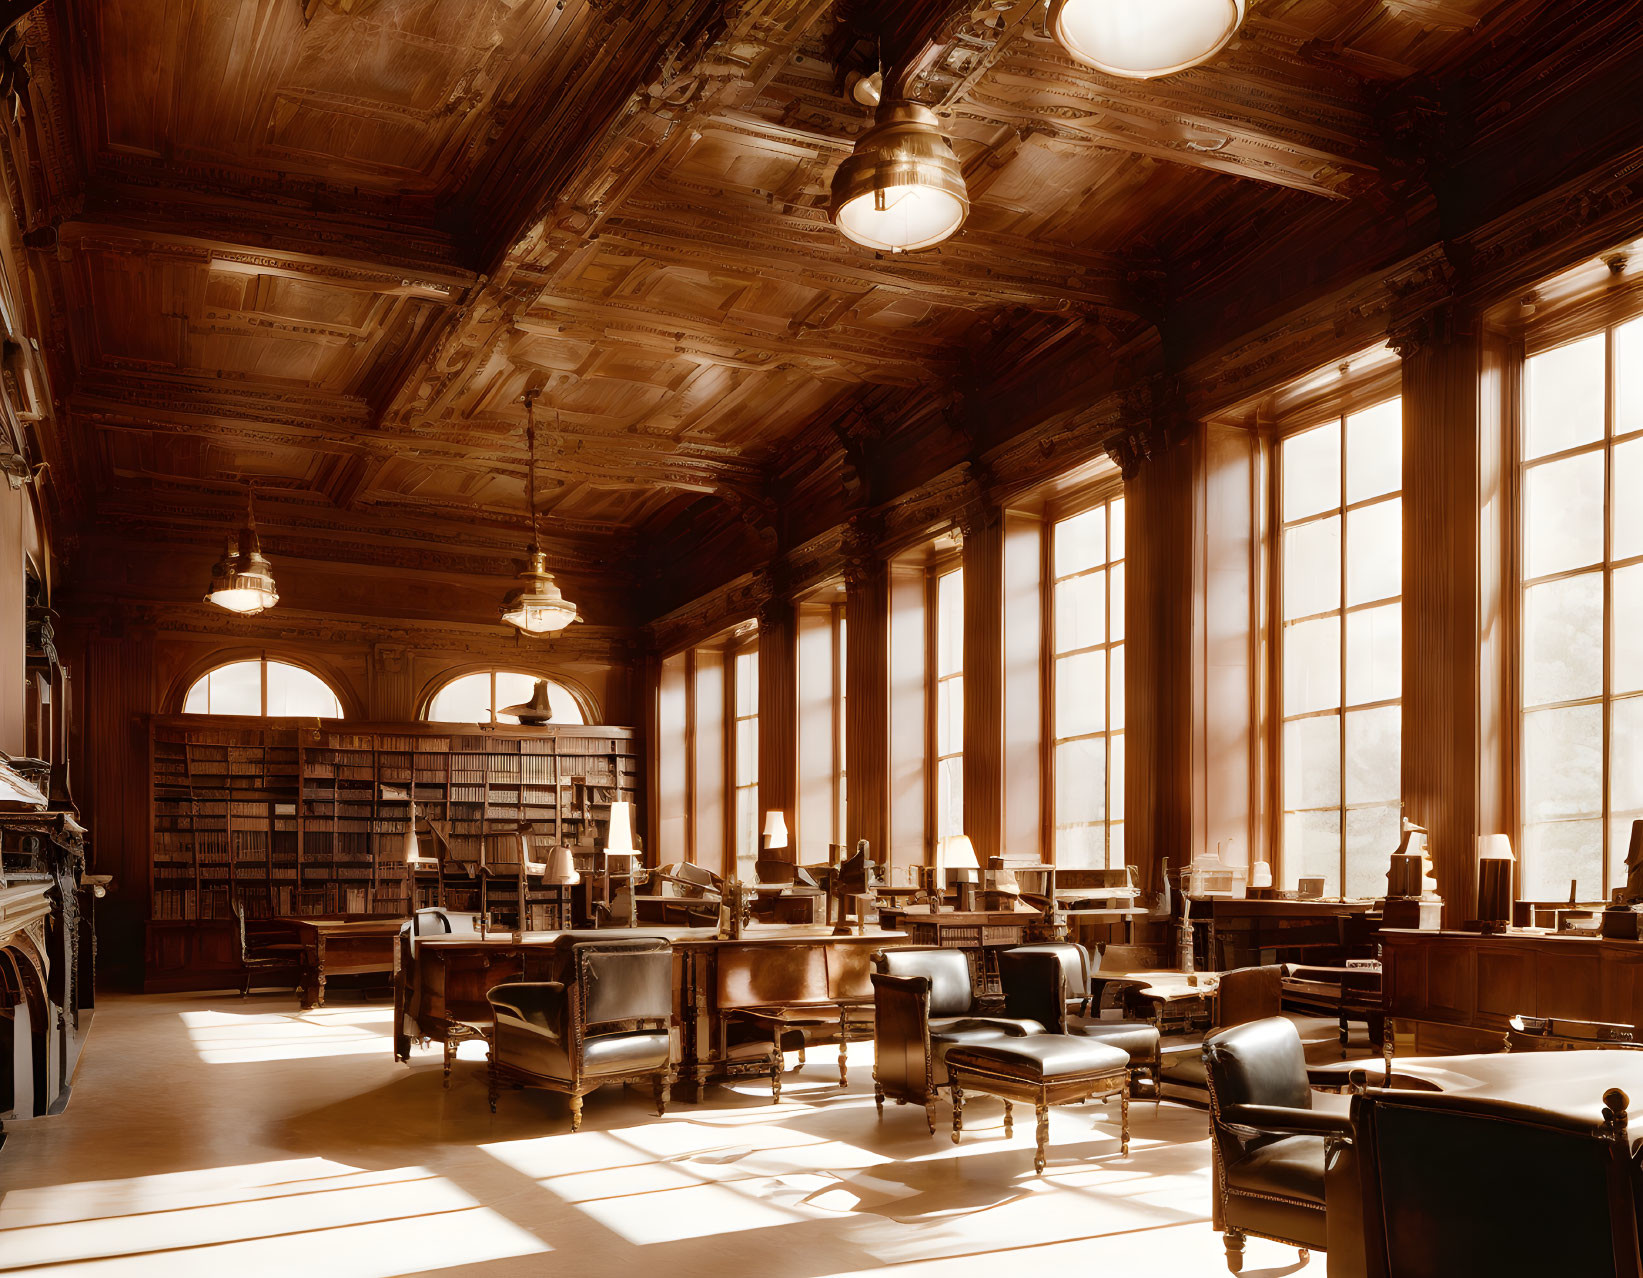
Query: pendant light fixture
1145, 39
902, 188
536, 606
242, 580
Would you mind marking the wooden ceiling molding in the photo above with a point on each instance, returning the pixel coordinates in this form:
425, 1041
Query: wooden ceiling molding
328, 246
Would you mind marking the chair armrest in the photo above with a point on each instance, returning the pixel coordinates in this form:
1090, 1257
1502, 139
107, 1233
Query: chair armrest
540, 1005
1283, 1118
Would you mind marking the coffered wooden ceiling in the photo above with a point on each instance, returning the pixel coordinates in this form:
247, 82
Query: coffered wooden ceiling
328, 245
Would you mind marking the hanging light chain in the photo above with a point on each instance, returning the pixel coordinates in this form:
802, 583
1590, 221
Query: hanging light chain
530, 477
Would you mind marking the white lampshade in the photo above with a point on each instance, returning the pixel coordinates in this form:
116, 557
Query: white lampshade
775, 829
961, 853
561, 867
956, 853
1495, 847
1260, 875
620, 839
1144, 39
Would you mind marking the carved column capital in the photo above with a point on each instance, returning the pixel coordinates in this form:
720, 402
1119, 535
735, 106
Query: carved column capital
771, 604
859, 551
1436, 326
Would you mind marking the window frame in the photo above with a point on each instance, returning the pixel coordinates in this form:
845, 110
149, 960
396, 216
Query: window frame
1580, 323
438, 689
1109, 491
943, 564
747, 646
1348, 401
841, 789
262, 658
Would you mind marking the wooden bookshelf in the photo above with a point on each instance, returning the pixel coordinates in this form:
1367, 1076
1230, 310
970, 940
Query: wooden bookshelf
303, 820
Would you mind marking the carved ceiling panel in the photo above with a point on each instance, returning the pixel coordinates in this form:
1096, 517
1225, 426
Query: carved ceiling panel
330, 245
397, 95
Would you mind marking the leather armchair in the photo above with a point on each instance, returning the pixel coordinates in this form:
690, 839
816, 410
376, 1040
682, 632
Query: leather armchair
1050, 983
1505, 1184
607, 1024
922, 1000
1283, 1170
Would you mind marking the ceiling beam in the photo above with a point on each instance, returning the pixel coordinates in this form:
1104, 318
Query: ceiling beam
150, 198
1216, 118
484, 444
975, 268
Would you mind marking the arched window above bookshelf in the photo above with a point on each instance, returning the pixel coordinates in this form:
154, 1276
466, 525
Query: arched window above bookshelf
263, 688
480, 696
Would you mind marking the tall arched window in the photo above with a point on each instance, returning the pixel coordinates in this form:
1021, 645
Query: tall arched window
478, 698
273, 689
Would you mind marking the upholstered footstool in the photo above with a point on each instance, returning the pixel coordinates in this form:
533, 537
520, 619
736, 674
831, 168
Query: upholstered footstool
1043, 1070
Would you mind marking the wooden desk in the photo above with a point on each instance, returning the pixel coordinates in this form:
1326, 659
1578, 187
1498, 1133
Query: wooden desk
1254, 933
1173, 1001
341, 947
445, 980
1451, 992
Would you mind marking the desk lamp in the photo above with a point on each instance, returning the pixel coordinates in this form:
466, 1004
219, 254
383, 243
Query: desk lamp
1494, 882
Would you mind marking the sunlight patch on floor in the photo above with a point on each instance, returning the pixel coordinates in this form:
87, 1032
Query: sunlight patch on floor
242, 1038
284, 1217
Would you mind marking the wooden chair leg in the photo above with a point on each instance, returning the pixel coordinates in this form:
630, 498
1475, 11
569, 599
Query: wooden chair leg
958, 1110
1041, 1156
1235, 1250
844, 1059
662, 1088
930, 1113
575, 1113
776, 1069
450, 1056
1009, 1119
878, 1098
1124, 1123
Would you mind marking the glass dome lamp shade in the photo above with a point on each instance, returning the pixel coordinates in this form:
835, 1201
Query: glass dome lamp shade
242, 580
1145, 39
902, 188
537, 606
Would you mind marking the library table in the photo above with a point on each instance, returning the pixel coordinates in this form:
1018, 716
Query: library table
440, 982
342, 947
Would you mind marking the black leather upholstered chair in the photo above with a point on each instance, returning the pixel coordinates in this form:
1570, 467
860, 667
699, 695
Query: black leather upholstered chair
922, 1001
608, 1023
1463, 1184
1283, 1170
1050, 983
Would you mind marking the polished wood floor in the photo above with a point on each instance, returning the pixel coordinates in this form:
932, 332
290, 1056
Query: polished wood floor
215, 1136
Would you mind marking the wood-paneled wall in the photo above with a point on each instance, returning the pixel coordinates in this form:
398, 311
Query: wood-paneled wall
1443, 758
1163, 523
